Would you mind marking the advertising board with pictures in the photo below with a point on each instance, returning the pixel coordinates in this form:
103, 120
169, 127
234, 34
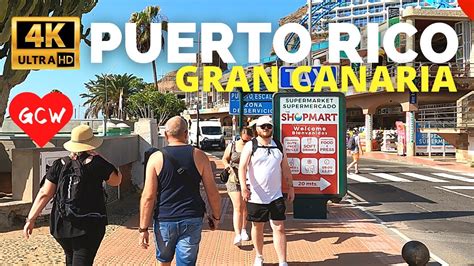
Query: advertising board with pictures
312, 131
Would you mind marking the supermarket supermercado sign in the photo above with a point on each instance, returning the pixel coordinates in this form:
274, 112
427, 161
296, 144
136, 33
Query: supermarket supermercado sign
344, 38
312, 130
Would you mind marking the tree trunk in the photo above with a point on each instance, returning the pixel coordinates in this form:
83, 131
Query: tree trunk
5, 88
153, 64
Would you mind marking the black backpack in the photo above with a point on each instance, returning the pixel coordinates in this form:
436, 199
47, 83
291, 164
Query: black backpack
71, 192
351, 144
255, 146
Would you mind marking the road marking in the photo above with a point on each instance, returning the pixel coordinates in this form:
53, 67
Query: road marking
360, 178
388, 225
390, 177
367, 169
460, 187
468, 174
426, 178
455, 177
455, 192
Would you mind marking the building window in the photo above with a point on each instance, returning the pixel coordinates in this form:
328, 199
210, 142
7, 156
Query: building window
360, 22
376, 19
360, 11
376, 9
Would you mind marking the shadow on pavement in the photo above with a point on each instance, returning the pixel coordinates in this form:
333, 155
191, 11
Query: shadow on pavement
316, 236
422, 215
355, 259
386, 193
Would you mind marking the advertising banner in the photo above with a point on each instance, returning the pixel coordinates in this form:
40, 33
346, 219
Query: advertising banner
421, 143
312, 130
401, 133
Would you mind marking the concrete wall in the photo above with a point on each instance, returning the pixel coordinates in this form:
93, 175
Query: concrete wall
470, 149
10, 127
120, 150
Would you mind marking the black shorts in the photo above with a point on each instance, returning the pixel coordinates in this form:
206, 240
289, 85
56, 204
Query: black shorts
263, 212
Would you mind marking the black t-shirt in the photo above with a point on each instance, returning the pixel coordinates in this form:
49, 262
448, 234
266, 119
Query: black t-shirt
95, 172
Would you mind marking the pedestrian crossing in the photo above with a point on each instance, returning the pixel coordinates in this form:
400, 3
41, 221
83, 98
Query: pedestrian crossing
455, 177
408, 177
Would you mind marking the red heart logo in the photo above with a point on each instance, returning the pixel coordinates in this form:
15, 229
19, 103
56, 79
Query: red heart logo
467, 7
41, 118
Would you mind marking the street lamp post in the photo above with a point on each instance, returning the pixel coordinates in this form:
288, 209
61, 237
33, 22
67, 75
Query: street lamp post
310, 25
198, 99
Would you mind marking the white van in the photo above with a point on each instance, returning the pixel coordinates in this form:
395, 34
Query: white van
211, 134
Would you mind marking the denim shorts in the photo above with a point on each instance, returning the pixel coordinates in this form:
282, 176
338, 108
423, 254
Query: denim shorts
182, 237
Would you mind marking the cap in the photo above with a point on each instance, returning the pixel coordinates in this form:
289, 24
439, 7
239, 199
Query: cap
264, 120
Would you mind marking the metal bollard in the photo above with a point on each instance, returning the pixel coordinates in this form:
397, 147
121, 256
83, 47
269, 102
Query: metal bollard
415, 253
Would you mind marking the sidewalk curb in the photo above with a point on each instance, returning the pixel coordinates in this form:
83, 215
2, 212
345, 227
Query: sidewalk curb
357, 198
414, 164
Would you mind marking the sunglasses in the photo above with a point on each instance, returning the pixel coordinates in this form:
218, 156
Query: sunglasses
266, 126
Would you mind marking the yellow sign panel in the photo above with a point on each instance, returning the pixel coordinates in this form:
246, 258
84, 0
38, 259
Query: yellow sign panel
45, 42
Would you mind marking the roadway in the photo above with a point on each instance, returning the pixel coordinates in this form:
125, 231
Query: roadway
425, 204
432, 206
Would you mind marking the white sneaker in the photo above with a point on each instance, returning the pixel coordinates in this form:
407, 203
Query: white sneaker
238, 240
258, 261
283, 264
244, 235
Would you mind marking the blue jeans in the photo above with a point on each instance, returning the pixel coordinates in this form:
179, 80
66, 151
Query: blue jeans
180, 236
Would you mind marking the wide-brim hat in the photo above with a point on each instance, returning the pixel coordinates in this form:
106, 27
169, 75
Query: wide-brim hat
82, 139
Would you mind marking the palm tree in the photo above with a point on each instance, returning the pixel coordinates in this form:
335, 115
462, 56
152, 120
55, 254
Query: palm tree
150, 14
108, 94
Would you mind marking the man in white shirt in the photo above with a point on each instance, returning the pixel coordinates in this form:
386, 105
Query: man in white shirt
261, 171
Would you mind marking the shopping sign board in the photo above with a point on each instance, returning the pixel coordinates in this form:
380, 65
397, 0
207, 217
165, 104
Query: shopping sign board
437, 142
254, 103
285, 73
311, 127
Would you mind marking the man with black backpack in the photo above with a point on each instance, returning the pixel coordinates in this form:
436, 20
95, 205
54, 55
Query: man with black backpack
263, 165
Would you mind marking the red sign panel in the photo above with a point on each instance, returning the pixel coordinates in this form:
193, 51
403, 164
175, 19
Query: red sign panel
310, 132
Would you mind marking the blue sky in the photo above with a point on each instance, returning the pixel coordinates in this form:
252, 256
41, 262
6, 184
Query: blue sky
71, 82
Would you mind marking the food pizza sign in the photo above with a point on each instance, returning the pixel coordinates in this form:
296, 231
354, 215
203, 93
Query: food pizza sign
312, 130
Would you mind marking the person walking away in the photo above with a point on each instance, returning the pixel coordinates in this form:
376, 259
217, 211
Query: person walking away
78, 217
173, 177
264, 163
356, 151
231, 160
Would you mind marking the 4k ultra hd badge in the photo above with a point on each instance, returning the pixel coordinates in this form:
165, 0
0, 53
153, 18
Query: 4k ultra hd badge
45, 42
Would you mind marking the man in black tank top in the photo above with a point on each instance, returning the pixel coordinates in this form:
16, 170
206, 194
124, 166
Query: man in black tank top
171, 196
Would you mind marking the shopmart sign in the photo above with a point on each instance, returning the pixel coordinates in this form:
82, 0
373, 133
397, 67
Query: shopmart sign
311, 127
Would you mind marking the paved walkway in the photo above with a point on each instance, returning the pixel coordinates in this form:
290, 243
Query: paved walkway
347, 237
449, 165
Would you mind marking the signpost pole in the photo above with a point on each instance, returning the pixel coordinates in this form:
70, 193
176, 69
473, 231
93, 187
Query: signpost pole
241, 110
310, 26
429, 145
